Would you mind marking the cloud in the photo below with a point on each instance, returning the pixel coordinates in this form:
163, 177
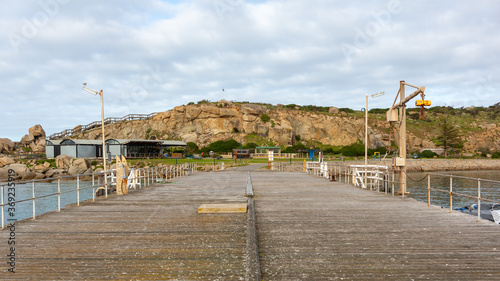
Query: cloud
153, 55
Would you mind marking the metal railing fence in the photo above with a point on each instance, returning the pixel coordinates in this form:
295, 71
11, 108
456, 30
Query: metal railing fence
382, 179
145, 177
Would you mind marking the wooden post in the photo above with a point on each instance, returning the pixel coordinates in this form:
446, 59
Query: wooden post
402, 138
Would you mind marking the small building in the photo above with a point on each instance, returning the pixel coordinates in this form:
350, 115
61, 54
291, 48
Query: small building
52, 148
78, 148
266, 149
241, 153
137, 148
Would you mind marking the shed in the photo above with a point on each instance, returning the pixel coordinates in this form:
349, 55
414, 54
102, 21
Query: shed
266, 149
78, 148
137, 148
52, 148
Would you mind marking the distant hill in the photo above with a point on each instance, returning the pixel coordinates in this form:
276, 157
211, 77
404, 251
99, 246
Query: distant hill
265, 124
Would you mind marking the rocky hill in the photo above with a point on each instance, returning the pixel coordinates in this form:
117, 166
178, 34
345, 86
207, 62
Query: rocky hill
244, 122
266, 124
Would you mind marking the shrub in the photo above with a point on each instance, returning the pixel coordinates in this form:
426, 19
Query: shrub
192, 147
346, 110
203, 102
355, 149
378, 110
250, 145
265, 118
427, 154
221, 146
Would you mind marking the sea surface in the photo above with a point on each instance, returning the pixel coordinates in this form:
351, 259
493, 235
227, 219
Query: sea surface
24, 209
417, 186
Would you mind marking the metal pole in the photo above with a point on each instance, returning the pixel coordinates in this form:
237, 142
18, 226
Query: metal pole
366, 142
59, 194
3, 215
478, 199
428, 190
78, 190
451, 193
402, 138
34, 205
393, 185
93, 187
104, 147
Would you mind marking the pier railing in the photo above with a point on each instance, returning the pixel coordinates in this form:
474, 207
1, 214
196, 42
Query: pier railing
382, 179
10, 204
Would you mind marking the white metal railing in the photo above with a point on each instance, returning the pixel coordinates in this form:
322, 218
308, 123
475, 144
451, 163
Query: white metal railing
380, 178
142, 177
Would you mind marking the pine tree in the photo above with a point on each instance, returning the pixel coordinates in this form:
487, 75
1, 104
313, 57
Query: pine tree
449, 135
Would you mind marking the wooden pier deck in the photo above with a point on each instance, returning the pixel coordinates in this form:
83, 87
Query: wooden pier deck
313, 229
307, 229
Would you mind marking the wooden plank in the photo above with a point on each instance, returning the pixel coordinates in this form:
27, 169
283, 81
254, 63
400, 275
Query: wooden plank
152, 233
310, 228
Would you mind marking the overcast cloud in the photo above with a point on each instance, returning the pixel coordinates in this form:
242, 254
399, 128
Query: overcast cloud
151, 56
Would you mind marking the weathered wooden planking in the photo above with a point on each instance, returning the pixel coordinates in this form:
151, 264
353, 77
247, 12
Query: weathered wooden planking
151, 233
310, 228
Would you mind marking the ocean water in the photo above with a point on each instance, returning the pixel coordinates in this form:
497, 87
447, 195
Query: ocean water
24, 210
417, 186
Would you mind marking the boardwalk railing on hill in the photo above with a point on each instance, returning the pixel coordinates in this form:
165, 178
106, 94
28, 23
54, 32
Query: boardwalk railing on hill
96, 124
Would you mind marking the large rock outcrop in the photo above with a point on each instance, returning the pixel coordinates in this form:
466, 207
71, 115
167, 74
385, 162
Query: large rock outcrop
6, 145
207, 123
35, 140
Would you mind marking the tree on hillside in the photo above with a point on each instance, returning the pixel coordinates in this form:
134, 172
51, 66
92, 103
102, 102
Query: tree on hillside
449, 135
192, 148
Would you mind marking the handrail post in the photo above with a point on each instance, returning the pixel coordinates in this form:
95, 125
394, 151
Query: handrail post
392, 189
78, 190
93, 187
34, 206
3, 215
59, 194
386, 181
478, 199
451, 193
428, 190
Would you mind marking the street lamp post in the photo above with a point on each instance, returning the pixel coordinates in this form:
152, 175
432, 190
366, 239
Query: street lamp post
103, 137
366, 135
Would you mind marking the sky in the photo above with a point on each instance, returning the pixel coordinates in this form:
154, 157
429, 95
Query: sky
151, 55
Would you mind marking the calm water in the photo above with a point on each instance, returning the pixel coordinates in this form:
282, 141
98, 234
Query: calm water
489, 190
25, 191
417, 189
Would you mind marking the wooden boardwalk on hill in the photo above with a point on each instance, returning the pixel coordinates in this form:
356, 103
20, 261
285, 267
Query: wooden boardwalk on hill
307, 228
